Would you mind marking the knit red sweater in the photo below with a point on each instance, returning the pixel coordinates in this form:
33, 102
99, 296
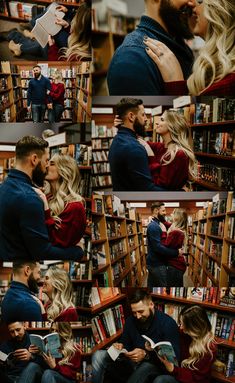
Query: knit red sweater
72, 226
203, 372
57, 93
172, 176
175, 240
68, 315
70, 370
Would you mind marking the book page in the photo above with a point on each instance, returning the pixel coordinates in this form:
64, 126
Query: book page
3, 356
36, 340
114, 353
40, 34
52, 344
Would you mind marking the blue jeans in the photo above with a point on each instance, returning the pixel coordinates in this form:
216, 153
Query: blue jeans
55, 114
32, 373
38, 112
51, 376
174, 277
157, 276
165, 379
28, 46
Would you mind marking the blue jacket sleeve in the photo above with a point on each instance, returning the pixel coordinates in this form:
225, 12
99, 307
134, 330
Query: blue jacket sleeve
154, 236
126, 338
133, 72
35, 234
138, 169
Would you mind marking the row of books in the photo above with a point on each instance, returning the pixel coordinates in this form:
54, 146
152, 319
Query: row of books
103, 167
222, 177
3, 83
210, 141
80, 152
81, 271
81, 296
99, 155
102, 131
218, 110
100, 181
86, 343
107, 323
25, 11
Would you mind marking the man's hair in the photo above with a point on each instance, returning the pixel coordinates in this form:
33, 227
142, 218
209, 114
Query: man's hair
17, 265
29, 144
37, 66
156, 205
127, 104
140, 295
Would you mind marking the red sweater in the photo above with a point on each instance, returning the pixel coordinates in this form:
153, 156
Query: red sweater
72, 227
224, 87
57, 93
70, 370
204, 365
172, 176
68, 315
175, 240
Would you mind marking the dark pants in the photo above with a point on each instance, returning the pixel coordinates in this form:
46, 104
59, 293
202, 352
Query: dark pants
157, 276
51, 376
31, 373
28, 46
38, 112
174, 277
55, 114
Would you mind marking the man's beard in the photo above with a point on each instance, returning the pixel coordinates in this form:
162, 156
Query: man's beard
176, 22
38, 175
161, 218
32, 283
139, 128
146, 323
37, 75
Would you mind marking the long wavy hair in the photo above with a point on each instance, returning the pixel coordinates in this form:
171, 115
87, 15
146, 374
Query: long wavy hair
179, 131
217, 58
67, 186
79, 41
62, 293
180, 221
68, 347
198, 327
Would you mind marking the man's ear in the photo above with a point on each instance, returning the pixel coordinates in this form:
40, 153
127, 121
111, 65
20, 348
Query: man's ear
34, 159
27, 270
131, 116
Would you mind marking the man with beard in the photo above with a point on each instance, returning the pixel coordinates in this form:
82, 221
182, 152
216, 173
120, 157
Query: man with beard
137, 365
128, 158
19, 302
22, 366
158, 254
23, 232
38, 95
131, 71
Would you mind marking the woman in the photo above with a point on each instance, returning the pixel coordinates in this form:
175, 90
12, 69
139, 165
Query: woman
58, 287
65, 369
172, 161
64, 210
198, 349
214, 69
176, 238
57, 94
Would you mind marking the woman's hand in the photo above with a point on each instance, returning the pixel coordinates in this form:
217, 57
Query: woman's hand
169, 366
43, 198
49, 360
147, 346
117, 121
165, 59
61, 8
146, 146
62, 22
51, 41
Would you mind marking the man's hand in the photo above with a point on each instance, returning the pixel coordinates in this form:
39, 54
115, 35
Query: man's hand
117, 121
137, 355
34, 349
29, 109
118, 346
22, 354
50, 106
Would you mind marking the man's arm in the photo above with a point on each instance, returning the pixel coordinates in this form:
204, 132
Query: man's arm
140, 178
154, 235
35, 235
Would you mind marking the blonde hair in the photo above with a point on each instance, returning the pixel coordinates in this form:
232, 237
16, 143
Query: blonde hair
59, 77
62, 292
68, 347
180, 222
67, 186
217, 58
198, 327
79, 41
179, 131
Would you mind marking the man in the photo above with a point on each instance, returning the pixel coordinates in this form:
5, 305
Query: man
132, 71
22, 366
23, 233
157, 253
137, 364
19, 302
128, 158
38, 94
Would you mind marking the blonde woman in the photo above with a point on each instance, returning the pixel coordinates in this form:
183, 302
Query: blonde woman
64, 369
214, 69
198, 349
64, 209
58, 287
176, 239
57, 95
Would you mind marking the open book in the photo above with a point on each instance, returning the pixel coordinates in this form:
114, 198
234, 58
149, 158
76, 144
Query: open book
49, 343
46, 25
163, 349
4, 357
114, 352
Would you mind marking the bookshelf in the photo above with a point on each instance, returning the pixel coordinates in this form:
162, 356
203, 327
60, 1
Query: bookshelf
117, 245
14, 80
212, 245
171, 301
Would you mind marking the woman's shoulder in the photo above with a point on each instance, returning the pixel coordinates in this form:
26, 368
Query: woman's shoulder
69, 314
75, 206
181, 154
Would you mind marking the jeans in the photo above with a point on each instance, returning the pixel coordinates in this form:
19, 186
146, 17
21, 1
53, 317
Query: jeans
51, 376
31, 374
174, 277
28, 46
138, 373
55, 114
157, 276
38, 112
165, 379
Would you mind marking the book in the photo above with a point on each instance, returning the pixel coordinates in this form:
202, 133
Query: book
114, 353
49, 343
163, 349
46, 25
4, 357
